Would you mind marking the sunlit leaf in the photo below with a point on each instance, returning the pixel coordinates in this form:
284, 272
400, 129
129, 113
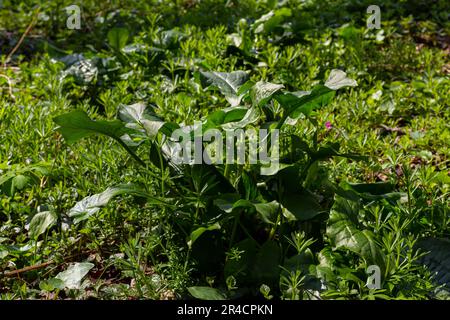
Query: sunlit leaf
72, 277
228, 84
40, 222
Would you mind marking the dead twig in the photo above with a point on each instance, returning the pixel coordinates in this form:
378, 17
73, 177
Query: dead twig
22, 38
17, 272
26, 269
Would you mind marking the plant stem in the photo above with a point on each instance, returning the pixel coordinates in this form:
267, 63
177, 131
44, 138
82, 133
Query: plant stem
235, 225
139, 160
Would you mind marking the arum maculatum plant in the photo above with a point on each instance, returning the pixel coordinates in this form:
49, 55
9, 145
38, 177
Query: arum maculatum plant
256, 224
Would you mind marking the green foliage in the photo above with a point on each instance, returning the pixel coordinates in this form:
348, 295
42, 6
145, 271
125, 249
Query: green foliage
362, 180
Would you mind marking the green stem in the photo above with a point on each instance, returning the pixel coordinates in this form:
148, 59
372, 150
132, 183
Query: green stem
274, 227
235, 225
226, 172
139, 160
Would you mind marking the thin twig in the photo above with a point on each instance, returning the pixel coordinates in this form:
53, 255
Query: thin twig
22, 38
26, 269
17, 272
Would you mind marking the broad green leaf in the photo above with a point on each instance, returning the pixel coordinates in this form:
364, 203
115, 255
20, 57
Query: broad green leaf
76, 125
40, 222
51, 284
268, 211
20, 181
17, 177
305, 103
92, 204
247, 186
273, 19
199, 231
169, 37
228, 84
267, 264
368, 191
137, 115
251, 116
303, 205
437, 258
117, 38
344, 232
206, 293
226, 201
263, 91
72, 277
338, 79
3, 252
222, 117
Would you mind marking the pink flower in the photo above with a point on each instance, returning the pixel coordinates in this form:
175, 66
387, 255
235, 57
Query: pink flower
328, 125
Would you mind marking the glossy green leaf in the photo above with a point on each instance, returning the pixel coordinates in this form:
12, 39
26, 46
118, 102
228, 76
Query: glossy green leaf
344, 232
303, 205
76, 125
305, 103
199, 231
138, 116
266, 269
